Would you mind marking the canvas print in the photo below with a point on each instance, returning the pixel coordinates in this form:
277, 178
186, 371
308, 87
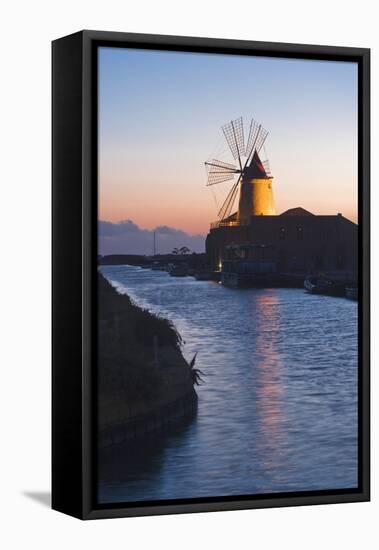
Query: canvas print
227, 284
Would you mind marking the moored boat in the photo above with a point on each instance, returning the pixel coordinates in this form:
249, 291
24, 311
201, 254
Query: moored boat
179, 271
322, 285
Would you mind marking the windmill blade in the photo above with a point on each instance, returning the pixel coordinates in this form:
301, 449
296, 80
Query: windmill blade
219, 171
229, 201
215, 178
221, 164
221, 212
261, 138
234, 135
256, 139
251, 140
266, 166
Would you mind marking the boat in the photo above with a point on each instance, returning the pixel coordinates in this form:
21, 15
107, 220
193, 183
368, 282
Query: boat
322, 285
179, 271
351, 292
311, 285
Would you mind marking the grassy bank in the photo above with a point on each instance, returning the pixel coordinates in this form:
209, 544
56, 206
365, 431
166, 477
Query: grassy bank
144, 382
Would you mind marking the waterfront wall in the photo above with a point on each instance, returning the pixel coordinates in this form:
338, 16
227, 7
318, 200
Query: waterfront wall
144, 382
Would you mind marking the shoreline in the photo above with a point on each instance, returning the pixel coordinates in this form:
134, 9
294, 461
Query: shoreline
144, 382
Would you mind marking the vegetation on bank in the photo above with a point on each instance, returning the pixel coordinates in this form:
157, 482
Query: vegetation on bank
182, 250
141, 369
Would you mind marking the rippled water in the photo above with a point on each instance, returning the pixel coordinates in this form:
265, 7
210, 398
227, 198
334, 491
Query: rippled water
278, 409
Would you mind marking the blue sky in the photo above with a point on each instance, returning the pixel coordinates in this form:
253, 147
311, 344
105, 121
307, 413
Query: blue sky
160, 118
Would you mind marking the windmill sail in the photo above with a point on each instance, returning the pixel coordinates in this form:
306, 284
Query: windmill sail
252, 172
253, 134
219, 171
262, 135
234, 135
266, 166
227, 206
256, 139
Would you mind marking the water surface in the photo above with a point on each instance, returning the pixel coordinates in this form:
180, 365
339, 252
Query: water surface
278, 409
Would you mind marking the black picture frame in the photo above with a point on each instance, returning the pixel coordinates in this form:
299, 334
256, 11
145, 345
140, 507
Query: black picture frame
74, 205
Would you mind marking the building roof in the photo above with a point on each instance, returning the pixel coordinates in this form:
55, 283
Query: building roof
298, 211
255, 168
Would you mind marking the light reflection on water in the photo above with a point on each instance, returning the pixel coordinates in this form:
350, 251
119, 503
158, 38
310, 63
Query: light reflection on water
278, 410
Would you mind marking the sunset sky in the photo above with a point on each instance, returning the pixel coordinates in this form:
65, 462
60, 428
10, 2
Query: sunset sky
160, 118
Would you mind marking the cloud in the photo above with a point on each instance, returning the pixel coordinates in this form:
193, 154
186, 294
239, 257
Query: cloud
110, 229
165, 230
126, 237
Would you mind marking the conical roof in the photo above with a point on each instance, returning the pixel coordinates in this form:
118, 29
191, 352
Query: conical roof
255, 168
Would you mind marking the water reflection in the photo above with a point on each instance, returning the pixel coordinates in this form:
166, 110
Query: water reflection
278, 411
270, 390
138, 463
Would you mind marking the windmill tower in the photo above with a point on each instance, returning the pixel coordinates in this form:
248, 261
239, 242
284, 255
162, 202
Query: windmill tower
254, 181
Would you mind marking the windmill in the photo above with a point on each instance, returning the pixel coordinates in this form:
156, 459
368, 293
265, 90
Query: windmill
250, 176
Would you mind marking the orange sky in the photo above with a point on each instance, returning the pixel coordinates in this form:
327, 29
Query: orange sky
160, 117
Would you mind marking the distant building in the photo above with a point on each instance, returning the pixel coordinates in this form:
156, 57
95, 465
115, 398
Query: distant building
255, 239
294, 241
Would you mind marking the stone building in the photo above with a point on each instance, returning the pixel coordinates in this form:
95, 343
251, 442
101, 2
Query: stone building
294, 241
255, 238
